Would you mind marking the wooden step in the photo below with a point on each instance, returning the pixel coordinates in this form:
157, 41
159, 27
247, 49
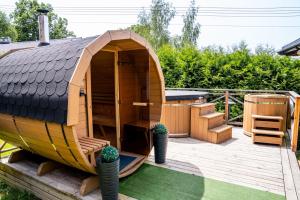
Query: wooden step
214, 119
205, 108
213, 115
267, 136
267, 132
267, 117
257, 124
221, 128
220, 134
204, 105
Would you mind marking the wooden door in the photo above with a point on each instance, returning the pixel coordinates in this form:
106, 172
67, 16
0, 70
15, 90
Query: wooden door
134, 101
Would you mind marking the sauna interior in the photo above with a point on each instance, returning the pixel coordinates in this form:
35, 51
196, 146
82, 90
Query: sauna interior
123, 75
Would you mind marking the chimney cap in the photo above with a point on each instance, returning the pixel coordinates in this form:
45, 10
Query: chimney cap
43, 10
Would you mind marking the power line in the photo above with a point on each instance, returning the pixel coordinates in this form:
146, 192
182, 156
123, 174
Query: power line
274, 7
200, 11
203, 25
182, 7
233, 12
204, 14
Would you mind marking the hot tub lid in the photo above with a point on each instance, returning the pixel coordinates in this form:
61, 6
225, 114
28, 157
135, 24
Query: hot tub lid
173, 95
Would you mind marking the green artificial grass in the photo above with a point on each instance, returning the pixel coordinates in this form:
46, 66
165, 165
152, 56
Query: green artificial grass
151, 182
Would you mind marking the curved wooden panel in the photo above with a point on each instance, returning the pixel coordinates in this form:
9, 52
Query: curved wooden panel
51, 140
9, 132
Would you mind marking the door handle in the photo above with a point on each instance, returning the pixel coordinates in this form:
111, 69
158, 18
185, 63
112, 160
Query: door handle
142, 104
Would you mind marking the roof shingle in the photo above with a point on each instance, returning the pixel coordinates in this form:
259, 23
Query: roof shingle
34, 82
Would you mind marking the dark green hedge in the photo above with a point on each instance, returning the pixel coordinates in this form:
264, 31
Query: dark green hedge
236, 68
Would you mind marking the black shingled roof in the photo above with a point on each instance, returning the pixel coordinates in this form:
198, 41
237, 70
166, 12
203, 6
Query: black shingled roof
34, 82
290, 49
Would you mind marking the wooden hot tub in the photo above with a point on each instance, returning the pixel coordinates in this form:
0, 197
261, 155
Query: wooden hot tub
264, 104
176, 112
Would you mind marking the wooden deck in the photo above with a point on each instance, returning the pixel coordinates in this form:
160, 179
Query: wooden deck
60, 184
264, 167
239, 161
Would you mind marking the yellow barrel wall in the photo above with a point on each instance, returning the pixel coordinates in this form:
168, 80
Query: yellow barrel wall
51, 140
264, 104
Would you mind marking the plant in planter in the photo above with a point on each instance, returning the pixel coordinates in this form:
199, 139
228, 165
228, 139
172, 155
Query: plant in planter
108, 170
160, 141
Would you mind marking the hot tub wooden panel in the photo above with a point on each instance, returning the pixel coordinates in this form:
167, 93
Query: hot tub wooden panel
264, 104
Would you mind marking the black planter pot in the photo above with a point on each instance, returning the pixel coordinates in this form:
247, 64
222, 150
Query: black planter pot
109, 179
160, 142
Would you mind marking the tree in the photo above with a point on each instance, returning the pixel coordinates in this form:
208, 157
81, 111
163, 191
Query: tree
58, 28
25, 18
6, 28
191, 28
154, 25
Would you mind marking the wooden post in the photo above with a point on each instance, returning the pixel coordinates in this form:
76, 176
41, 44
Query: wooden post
46, 167
88, 185
17, 156
226, 106
295, 130
89, 103
117, 100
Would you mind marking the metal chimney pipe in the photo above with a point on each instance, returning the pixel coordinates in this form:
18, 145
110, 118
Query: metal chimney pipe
43, 27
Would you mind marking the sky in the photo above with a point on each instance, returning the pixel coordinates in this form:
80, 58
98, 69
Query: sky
89, 18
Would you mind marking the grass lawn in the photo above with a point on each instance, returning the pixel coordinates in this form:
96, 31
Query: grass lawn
10, 193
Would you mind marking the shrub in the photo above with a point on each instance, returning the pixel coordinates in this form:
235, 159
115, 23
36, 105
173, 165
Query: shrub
159, 129
9, 193
109, 154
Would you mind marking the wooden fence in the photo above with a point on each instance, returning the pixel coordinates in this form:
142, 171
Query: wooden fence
227, 98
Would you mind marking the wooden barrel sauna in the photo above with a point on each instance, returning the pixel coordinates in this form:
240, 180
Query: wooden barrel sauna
67, 101
264, 104
176, 112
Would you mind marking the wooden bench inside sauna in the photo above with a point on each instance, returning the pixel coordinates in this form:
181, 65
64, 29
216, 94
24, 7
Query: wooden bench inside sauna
67, 101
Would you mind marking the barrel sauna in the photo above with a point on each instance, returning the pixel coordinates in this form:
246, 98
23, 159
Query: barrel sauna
264, 104
176, 112
67, 101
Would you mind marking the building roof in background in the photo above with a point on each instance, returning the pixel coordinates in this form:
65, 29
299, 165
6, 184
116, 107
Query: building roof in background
291, 49
34, 81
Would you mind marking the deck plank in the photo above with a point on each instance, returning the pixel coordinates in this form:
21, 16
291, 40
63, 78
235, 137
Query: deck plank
238, 161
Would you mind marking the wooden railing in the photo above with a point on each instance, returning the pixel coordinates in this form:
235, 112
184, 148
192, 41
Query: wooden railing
295, 98
227, 98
